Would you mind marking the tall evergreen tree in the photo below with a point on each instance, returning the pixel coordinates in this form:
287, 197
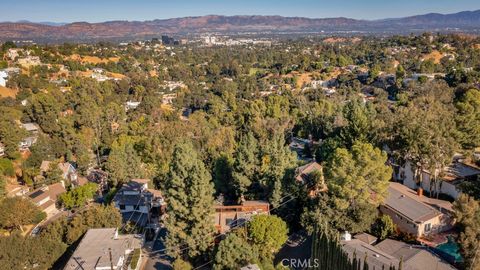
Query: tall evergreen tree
246, 163
190, 203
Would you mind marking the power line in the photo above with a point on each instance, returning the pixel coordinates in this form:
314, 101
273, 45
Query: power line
231, 228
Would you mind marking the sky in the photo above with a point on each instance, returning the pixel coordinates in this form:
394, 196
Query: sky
141, 10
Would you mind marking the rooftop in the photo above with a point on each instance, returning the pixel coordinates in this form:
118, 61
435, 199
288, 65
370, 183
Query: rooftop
409, 204
93, 250
418, 257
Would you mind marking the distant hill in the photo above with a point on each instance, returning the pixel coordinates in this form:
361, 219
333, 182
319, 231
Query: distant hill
465, 21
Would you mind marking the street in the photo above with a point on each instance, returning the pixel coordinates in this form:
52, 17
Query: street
156, 257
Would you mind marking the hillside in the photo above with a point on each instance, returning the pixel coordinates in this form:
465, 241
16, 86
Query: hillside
466, 21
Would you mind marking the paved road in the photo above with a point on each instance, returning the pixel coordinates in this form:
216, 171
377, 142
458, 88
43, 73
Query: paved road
157, 259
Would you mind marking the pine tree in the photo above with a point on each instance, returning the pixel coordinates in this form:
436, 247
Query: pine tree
190, 203
246, 163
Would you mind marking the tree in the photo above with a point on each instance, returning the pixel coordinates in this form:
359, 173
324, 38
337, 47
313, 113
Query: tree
245, 165
190, 202
19, 252
180, 264
123, 162
358, 125
276, 161
383, 227
467, 213
17, 212
352, 176
234, 252
468, 118
268, 233
424, 132
44, 109
10, 133
222, 177
78, 196
96, 216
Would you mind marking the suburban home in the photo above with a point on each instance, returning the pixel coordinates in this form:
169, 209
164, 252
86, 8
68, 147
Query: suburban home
416, 214
68, 171
230, 216
105, 249
416, 256
302, 176
138, 203
392, 253
131, 105
449, 179
46, 197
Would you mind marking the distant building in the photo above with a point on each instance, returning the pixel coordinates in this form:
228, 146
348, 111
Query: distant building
138, 203
416, 214
105, 249
31, 128
3, 78
230, 216
131, 105
29, 61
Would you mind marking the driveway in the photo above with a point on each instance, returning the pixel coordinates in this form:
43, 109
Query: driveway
156, 257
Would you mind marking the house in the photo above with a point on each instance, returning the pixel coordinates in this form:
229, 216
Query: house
26, 143
375, 258
449, 179
168, 98
416, 214
415, 256
131, 105
13, 53
393, 253
46, 197
68, 171
303, 176
138, 203
227, 217
31, 128
105, 249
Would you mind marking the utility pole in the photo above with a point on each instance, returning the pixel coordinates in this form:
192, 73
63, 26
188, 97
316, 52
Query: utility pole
111, 261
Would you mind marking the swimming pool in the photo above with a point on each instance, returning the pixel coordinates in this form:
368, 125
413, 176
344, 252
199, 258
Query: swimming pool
451, 248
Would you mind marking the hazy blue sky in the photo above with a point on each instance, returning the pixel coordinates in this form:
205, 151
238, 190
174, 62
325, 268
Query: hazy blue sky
105, 10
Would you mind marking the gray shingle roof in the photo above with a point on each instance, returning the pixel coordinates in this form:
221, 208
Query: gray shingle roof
417, 257
408, 204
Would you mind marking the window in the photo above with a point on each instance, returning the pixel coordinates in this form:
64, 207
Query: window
122, 207
428, 227
228, 221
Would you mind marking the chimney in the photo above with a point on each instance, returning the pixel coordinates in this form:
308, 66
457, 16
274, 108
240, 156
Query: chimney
115, 236
420, 192
346, 236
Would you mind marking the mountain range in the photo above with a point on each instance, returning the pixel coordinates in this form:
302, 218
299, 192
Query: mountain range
466, 21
